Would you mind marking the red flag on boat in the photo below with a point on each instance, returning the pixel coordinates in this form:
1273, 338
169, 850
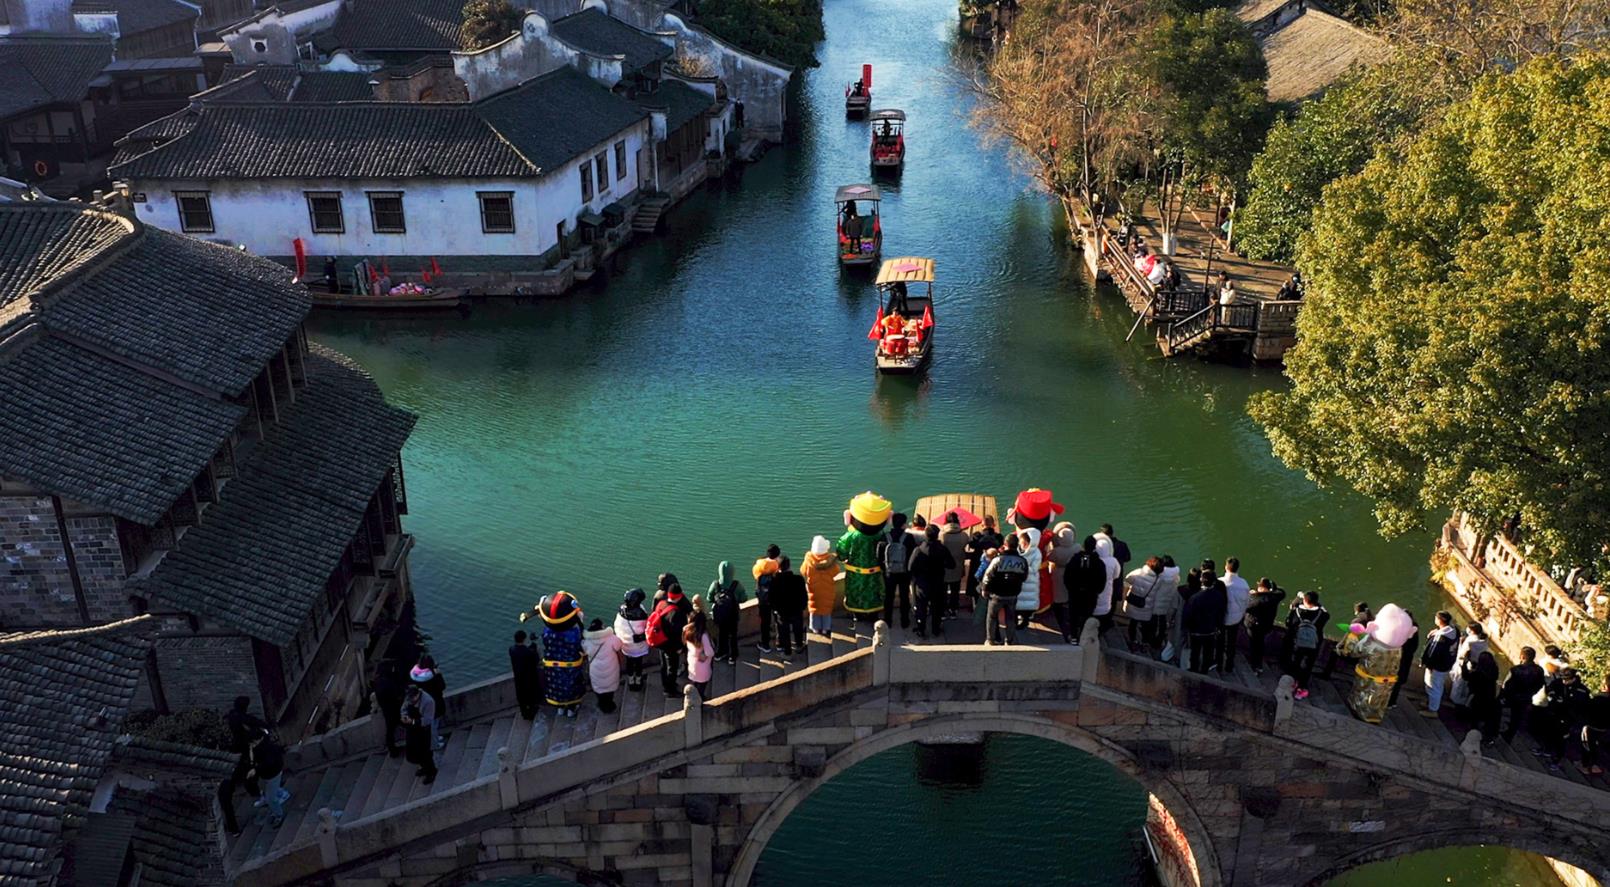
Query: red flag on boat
435, 268
425, 273
876, 332
928, 317
300, 248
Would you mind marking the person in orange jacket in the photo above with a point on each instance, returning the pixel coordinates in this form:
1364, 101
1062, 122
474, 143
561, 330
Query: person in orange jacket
819, 568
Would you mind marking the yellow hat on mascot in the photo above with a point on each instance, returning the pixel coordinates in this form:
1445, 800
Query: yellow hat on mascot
870, 508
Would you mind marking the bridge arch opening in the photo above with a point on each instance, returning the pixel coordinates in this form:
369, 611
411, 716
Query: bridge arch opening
1477, 859
1178, 834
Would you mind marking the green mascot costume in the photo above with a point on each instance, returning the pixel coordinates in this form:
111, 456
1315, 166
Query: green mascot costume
858, 553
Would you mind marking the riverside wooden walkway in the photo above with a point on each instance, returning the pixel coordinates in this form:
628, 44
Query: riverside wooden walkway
368, 782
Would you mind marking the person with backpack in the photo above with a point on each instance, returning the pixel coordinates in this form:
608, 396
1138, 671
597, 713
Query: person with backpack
603, 651
894, 556
1441, 653
1263, 606
664, 633
726, 596
819, 568
788, 600
1085, 579
984, 537
763, 571
1204, 618
929, 564
1002, 583
631, 626
1305, 628
1140, 587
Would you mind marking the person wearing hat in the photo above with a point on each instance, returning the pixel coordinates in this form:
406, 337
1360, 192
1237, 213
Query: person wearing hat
562, 658
677, 610
819, 568
631, 626
1034, 509
857, 550
429, 678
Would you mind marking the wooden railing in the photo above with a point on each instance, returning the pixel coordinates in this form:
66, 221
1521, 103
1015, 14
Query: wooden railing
1181, 331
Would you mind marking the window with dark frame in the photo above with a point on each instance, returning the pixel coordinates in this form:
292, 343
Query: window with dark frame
324, 211
620, 159
586, 182
386, 212
602, 163
195, 211
497, 212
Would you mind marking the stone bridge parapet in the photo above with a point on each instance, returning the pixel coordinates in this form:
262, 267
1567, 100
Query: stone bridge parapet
1246, 788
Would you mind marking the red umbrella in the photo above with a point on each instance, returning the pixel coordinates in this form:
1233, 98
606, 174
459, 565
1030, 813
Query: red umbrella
964, 517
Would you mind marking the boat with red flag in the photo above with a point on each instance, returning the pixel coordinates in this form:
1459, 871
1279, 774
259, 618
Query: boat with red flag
888, 138
858, 94
860, 229
904, 328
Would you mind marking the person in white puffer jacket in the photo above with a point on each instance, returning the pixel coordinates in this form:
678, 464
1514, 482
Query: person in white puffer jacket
631, 626
603, 649
1028, 599
1104, 603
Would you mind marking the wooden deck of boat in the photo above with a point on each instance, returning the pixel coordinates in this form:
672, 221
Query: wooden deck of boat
933, 507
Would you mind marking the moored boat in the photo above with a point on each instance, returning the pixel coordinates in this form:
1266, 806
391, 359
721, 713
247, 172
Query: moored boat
904, 329
423, 300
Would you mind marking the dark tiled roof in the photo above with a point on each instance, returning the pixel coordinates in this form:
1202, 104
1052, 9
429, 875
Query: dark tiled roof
134, 16
334, 86
263, 553
429, 25
680, 102
175, 839
359, 140
597, 32
558, 116
538, 125
63, 698
208, 314
38, 70
252, 83
97, 319
78, 425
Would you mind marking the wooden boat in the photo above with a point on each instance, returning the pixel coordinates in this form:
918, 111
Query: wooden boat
932, 508
858, 95
425, 301
904, 330
888, 138
860, 230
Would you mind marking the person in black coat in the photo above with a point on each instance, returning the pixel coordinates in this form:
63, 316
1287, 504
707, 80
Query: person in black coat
928, 563
388, 689
526, 665
1085, 578
788, 599
244, 728
1204, 617
1520, 689
1263, 607
1406, 663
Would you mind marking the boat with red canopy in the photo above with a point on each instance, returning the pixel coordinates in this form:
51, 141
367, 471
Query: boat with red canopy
888, 138
904, 328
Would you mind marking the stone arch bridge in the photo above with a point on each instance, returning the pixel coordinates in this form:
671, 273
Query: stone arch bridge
1246, 788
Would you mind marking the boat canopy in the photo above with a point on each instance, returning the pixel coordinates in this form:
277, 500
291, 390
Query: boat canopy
889, 114
847, 193
907, 269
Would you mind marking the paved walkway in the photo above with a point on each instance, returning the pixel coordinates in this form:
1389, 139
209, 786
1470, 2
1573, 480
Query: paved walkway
1254, 281
367, 784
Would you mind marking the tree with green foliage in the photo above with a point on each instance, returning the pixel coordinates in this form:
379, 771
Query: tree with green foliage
1208, 107
786, 30
487, 22
1330, 137
1454, 349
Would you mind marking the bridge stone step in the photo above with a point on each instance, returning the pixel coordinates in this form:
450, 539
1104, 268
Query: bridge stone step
358, 794
499, 737
301, 816
461, 767
537, 739
396, 793
447, 762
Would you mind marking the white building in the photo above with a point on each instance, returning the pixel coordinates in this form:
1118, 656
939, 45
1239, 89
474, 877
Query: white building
490, 185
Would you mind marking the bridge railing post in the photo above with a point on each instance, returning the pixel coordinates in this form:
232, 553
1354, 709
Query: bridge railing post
508, 786
326, 837
1285, 698
882, 649
692, 716
1090, 651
